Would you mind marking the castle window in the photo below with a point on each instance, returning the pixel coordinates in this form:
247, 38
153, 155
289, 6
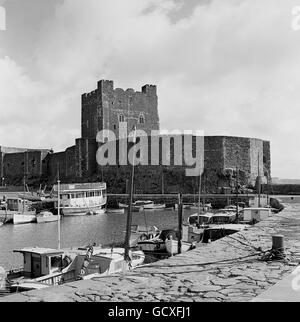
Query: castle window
142, 119
121, 118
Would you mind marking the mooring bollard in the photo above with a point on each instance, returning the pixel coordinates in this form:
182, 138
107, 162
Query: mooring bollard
278, 243
278, 246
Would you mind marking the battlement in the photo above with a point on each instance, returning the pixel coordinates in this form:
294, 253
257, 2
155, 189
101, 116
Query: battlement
108, 86
149, 89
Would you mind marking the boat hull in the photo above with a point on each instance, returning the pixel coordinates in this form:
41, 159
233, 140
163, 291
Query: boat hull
154, 207
172, 247
82, 211
19, 219
115, 211
150, 246
42, 220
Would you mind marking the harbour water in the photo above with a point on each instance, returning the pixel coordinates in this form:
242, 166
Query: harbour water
77, 231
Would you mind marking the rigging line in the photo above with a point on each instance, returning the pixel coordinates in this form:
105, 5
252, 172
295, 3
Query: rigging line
245, 244
224, 261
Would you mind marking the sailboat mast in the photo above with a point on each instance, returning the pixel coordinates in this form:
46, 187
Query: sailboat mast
24, 182
259, 182
129, 215
237, 191
58, 211
199, 194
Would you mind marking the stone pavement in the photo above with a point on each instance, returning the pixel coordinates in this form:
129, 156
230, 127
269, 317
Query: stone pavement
228, 270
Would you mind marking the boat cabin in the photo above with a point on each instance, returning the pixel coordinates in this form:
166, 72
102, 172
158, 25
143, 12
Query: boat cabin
223, 218
40, 262
203, 219
82, 194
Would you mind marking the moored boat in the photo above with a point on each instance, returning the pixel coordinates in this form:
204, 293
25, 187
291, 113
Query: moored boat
45, 267
46, 217
138, 205
157, 244
216, 232
81, 199
154, 207
223, 217
24, 217
200, 220
119, 211
172, 246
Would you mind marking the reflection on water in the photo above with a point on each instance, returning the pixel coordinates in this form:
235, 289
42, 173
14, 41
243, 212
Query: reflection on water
77, 231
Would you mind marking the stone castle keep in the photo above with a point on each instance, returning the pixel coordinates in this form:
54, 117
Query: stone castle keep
107, 108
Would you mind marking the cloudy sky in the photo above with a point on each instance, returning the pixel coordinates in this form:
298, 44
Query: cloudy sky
228, 67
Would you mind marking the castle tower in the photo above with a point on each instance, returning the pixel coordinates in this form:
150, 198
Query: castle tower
107, 107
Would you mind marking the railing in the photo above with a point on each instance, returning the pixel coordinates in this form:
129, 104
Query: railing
57, 279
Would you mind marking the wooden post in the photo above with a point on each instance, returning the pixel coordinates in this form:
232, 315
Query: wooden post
180, 218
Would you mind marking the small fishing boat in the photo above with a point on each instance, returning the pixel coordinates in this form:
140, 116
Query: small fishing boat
45, 267
138, 205
223, 217
200, 220
216, 232
157, 244
154, 207
46, 217
107, 261
141, 233
24, 217
172, 246
119, 211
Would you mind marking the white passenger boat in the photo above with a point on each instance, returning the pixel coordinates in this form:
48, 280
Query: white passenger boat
45, 217
81, 199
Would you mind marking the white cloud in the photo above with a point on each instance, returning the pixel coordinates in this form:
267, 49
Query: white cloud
229, 68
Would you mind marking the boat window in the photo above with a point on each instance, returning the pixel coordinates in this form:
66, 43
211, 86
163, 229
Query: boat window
56, 262
80, 195
92, 194
64, 196
73, 195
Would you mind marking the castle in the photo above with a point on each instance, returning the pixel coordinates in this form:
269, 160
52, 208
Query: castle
106, 108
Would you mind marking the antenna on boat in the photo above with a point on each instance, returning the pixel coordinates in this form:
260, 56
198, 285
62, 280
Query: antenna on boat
58, 207
129, 215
